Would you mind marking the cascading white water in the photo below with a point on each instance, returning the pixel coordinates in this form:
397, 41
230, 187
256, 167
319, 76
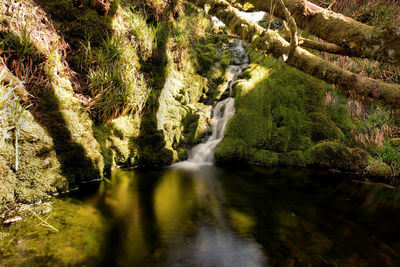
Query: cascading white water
222, 113
203, 153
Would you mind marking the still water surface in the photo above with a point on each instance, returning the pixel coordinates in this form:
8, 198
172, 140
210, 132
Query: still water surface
218, 217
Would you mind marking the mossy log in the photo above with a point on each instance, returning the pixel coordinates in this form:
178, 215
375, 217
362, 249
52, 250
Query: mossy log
320, 46
273, 43
356, 38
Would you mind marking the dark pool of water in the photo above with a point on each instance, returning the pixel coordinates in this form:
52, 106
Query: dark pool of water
215, 217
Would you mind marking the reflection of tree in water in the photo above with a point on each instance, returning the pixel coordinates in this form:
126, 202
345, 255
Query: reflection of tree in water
173, 216
127, 214
314, 222
211, 241
189, 218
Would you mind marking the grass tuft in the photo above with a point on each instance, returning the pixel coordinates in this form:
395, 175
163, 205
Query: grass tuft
116, 86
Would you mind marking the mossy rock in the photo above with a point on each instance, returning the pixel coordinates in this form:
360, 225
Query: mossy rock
274, 103
205, 54
225, 58
323, 128
337, 155
340, 115
230, 150
295, 158
153, 150
253, 128
379, 169
263, 157
183, 154
39, 173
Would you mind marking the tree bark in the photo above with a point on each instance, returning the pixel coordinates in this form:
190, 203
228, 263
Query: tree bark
272, 43
360, 39
320, 46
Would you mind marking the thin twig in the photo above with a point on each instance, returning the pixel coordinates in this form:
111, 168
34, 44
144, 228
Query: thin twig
271, 16
294, 40
331, 4
44, 223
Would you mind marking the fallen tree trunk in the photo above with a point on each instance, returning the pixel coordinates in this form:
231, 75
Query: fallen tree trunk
320, 46
360, 39
273, 43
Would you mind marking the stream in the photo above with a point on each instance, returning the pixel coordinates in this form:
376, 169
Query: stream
195, 214
203, 153
213, 217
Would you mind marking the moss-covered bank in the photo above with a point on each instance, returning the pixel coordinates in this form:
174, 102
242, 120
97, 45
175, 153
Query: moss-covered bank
120, 86
282, 118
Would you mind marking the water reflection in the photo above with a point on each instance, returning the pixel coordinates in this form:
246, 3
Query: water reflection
307, 218
179, 220
214, 217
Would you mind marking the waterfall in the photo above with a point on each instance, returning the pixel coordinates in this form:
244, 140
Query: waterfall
203, 153
222, 113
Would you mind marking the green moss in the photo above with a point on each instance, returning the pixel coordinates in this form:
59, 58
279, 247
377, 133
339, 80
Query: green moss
117, 141
225, 59
153, 150
379, 169
196, 125
76, 23
29, 243
281, 112
182, 154
276, 107
323, 128
340, 115
338, 155
39, 173
295, 158
71, 130
211, 59
231, 150
245, 120
177, 111
7, 179
206, 54
263, 157
395, 142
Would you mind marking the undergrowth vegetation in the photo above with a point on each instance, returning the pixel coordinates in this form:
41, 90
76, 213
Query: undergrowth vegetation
115, 85
370, 127
382, 13
379, 13
11, 116
162, 10
19, 44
